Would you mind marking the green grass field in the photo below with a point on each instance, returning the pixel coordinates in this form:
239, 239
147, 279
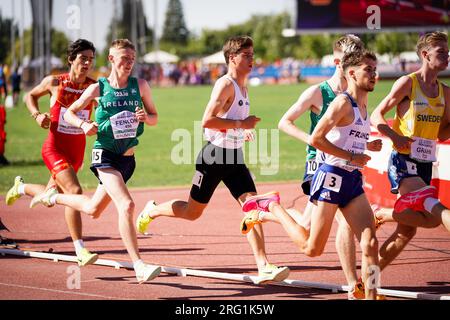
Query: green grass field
178, 108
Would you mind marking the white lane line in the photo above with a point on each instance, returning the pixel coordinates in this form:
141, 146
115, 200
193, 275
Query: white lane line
62, 291
228, 276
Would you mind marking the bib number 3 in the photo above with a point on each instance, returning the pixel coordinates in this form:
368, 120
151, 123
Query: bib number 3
332, 182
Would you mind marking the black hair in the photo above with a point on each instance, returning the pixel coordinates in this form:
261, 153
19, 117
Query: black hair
78, 46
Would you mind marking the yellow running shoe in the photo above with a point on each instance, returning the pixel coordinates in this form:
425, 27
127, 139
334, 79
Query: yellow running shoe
44, 198
249, 221
143, 218
272, 273
13, 194
85, 257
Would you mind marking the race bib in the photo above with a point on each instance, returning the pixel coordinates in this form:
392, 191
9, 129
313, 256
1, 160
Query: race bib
235, 136
311, 166
67, 128
411, 167
355, 146
332, 182
423, 149
97, 155
124, 125
197, 179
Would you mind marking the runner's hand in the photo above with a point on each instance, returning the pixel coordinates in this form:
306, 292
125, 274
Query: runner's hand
375, 145
89, 128
43, 120
360, 159
250, 122
140, 114
402, 143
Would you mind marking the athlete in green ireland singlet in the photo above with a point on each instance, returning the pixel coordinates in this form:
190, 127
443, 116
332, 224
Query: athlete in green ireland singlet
125, 104
118, 127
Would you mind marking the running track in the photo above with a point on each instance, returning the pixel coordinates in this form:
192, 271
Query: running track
211, 243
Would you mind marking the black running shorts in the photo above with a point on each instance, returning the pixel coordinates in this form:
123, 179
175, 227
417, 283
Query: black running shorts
102, 159
215, 164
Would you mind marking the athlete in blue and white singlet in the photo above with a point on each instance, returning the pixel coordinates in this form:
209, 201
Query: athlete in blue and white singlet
337, 180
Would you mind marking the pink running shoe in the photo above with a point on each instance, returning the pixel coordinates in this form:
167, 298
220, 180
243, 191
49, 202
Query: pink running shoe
261, 202
414, 200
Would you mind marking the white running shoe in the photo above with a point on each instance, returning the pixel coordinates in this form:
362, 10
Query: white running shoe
44, 198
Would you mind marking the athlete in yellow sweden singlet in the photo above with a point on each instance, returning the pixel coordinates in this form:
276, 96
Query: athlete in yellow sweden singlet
421, 122
422, 105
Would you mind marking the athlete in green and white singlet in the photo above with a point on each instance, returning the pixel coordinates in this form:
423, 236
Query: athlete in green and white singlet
118, 127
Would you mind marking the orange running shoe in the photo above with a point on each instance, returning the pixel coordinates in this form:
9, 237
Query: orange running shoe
249, 221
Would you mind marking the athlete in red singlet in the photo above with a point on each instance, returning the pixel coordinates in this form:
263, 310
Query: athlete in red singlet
63, 149
64, 146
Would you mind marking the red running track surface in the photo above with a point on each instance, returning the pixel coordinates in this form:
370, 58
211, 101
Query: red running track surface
212, 243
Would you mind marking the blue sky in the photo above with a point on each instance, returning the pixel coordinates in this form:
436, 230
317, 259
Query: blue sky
199, 14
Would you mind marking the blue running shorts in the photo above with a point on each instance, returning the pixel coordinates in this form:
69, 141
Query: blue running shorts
336, 185
401, 166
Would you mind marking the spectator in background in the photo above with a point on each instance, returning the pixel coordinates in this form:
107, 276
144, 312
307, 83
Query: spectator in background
175, 74
15, 79
3, 88
403, 64
205, 75
192, 71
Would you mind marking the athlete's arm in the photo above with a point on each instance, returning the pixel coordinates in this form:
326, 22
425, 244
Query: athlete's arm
89, 128
444, 129
31, 100
221, 97
400, 90
336, 114
149, 116
309, 98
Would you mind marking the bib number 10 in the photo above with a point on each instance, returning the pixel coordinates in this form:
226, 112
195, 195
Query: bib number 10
312, 167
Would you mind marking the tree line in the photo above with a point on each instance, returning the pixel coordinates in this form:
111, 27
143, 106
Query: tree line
266, 31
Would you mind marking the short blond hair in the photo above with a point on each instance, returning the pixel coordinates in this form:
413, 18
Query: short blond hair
348, 43
122, 44
429, 40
